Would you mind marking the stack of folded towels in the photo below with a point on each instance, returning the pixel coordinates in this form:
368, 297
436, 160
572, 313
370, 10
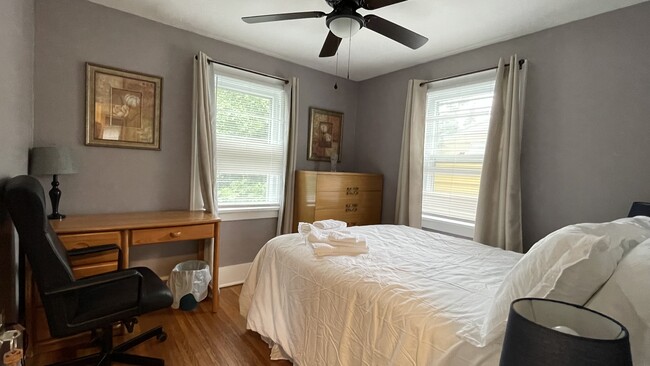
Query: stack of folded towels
329, 237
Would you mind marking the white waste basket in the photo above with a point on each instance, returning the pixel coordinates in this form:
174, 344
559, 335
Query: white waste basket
189, 283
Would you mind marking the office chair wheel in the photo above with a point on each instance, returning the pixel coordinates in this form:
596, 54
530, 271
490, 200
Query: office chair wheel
161, 337
129, 324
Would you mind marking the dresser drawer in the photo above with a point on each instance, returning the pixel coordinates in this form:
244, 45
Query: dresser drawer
351, 218
348, 184
81, 241
336, 200
176, 233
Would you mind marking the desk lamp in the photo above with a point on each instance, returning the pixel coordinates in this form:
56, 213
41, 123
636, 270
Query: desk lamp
549, 332
54, 161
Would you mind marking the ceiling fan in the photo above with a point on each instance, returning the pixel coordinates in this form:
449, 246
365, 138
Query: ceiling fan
344, 21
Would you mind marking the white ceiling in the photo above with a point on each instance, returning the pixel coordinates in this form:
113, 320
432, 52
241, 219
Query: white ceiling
452, 26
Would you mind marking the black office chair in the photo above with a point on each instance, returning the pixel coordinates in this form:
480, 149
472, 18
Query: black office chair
93, 303
639, 208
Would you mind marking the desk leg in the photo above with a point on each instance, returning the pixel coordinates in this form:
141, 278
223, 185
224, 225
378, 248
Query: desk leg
215, 270
126, 243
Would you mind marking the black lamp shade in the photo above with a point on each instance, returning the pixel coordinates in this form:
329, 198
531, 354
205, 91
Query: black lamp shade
639, 209
530, 339
53, 161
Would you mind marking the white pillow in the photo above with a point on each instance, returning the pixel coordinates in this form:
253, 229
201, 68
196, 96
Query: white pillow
570, 265
626, 298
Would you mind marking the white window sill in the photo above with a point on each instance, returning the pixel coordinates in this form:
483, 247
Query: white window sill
448, 226
248, 213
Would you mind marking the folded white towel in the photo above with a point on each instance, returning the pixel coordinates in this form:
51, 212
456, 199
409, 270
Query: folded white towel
330, 224
324, 249
336, 238
304, 228
345, 237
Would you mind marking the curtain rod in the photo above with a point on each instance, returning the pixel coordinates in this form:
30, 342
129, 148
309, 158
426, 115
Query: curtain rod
211, 61
521, 63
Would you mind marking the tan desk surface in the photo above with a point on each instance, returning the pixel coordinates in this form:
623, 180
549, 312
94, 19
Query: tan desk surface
126, 223
130, 220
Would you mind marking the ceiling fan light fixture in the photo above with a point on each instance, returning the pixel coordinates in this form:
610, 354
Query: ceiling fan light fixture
344, 26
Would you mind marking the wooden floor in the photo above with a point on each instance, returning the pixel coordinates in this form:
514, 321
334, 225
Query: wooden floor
197, 337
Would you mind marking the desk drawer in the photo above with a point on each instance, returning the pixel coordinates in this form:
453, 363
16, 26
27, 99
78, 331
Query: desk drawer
175, 233
80, 241
93, 269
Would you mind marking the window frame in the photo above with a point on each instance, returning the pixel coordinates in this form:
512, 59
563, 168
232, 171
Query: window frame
448, 225
253, 211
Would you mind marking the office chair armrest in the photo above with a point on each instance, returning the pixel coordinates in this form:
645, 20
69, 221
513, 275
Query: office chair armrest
101, 279
98, 249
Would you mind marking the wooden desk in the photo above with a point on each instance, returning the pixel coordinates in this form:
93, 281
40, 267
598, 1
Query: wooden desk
124, 230
141, 228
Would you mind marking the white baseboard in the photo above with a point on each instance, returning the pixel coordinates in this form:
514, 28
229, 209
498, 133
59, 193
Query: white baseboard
233, 275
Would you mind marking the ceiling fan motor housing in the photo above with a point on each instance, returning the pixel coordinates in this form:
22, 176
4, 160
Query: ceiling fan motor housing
344, 13
333, 3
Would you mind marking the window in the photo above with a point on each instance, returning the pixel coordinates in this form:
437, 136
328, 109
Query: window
251, 141
457, 119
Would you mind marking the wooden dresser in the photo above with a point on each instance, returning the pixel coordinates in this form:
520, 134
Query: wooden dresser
351, 197
124, 230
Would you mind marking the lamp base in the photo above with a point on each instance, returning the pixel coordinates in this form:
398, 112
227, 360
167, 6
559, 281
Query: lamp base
56, 216
55, 196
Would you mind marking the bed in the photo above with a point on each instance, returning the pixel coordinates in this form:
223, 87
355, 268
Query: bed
417, 297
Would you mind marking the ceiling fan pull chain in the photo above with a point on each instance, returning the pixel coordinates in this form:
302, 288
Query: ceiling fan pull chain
349, 51
336, 86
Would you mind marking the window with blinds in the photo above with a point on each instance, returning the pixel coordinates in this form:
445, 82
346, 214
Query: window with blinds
457, 119
251, 133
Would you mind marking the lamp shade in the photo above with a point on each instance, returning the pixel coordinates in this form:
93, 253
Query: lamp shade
639, 209
52, 160
549, 332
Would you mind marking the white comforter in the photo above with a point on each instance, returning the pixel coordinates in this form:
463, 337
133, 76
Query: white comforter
400, 304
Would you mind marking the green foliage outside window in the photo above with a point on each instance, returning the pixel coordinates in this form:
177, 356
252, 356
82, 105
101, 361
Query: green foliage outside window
237, 188
242, 114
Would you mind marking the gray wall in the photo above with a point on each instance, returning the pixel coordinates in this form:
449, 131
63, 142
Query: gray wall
72, 32
16, 121
584, 134
586, 137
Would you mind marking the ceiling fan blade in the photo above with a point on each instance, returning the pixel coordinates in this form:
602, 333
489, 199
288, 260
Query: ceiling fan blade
330, 46
284, 16
376, 4
395, 32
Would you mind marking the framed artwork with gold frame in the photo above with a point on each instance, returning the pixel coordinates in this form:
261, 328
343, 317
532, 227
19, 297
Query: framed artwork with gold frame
122, 108
325, 134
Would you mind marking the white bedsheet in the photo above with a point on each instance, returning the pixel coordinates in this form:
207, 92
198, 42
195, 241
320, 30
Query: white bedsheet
400, 304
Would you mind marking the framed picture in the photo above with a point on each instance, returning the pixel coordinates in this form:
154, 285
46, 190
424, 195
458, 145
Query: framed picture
325, 133
122, 108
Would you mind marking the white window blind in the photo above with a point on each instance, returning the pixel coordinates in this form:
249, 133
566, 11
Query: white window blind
251, 133
457, 119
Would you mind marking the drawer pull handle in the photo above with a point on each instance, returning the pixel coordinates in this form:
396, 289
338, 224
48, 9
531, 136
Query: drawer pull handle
176, 234
352, 191
351, 207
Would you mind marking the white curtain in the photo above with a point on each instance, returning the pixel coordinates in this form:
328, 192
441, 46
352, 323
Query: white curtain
203, 118
498, 214
203, 147
285, 214
408, 206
